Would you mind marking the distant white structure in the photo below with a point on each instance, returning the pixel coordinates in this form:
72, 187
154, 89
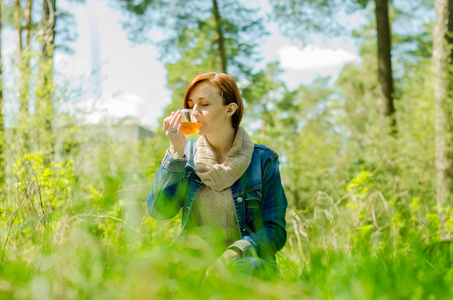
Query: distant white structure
124, 130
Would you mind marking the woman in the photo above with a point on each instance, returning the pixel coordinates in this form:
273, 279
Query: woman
228, 187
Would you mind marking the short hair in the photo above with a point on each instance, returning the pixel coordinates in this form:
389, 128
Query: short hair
229, 91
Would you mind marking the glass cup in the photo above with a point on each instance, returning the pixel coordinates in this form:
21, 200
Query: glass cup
188, 127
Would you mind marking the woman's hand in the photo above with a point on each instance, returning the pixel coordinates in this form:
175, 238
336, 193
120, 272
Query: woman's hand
220, 269
172, 128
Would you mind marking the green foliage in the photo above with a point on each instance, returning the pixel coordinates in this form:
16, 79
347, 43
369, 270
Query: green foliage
52, 184
184, 21
296, 18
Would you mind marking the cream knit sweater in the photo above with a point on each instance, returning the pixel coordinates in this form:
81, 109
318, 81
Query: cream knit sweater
213, 216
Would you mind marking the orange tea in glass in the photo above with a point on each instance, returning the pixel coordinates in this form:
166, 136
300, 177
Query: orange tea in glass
188, 127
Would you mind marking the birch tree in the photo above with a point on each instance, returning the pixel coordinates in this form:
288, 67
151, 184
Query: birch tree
443, 65
44, 108
23, 63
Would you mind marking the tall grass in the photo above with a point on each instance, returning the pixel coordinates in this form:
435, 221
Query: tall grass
83, 232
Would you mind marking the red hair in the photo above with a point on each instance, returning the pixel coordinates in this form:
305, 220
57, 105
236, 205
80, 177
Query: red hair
229, 92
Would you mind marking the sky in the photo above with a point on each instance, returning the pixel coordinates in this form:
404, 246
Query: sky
131, 80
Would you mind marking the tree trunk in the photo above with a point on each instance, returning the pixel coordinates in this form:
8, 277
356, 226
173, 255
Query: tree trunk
2, 113
443, 90
48, 27
45, 82
23, 64
386, 107
18, 19
28, 26
220, 40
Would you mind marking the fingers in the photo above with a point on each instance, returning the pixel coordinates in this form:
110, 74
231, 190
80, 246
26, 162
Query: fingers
172, 122
175, 121
173, 129
167, 122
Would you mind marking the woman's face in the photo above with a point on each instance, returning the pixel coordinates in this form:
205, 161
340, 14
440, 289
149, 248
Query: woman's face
206, 101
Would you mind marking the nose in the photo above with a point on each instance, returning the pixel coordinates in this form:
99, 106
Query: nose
196, 112
196, 107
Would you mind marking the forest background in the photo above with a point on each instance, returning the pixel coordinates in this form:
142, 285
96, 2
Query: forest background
366, 159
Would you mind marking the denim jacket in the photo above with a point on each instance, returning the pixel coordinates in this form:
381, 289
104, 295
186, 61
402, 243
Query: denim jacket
259, 199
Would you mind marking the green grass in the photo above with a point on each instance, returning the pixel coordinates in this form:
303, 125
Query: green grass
103, 258
93, 239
